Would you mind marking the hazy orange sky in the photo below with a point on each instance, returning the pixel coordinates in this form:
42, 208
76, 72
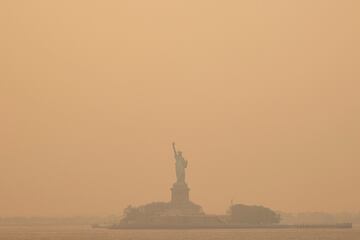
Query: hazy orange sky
261, 96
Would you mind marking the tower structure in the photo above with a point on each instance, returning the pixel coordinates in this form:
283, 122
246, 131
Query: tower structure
180, 200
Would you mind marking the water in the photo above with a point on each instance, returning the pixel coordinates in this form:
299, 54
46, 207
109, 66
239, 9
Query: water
88, 233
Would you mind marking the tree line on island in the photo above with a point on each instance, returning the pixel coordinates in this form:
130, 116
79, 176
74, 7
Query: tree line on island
236, 214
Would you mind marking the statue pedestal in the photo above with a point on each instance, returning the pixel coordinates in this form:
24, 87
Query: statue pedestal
180, 204
180, 193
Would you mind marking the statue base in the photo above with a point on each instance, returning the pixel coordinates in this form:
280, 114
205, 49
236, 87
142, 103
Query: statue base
180, 193
180, 204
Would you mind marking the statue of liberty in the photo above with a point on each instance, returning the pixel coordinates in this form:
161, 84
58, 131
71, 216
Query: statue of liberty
180, 165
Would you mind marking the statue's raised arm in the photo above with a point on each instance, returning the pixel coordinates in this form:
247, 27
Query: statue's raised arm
173, 145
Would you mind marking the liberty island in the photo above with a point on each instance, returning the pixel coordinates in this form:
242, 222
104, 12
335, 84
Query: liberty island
181, 213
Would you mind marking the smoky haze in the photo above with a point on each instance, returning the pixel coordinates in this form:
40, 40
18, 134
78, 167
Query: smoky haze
262, 97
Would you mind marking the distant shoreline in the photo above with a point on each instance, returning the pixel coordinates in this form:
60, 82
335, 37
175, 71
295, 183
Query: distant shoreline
226, 226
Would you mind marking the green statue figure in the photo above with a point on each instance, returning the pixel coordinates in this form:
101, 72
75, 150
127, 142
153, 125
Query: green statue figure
180, 165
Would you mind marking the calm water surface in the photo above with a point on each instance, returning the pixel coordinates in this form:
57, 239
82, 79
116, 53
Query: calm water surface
88, 233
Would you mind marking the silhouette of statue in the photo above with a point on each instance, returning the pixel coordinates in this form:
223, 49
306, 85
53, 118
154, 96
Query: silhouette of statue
180, 165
